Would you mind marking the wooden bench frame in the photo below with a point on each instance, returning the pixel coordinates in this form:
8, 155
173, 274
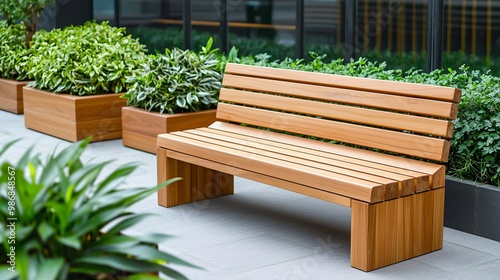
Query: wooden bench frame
385, 177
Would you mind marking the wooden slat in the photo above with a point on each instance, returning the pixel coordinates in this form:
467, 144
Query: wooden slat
344, 185
381, 177
437, 172
339, 112
287, 185
404, 104
408, 144
357, 83
421, 180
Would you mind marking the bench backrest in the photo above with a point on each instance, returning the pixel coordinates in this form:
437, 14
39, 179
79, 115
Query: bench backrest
403, 118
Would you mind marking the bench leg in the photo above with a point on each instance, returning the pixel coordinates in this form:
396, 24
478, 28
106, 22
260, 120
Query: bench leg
197, 182
396, 230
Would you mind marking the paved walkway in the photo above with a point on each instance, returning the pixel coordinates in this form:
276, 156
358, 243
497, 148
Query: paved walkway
262, 232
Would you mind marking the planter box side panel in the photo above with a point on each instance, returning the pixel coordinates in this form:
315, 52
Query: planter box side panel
142, 122
100, 130
59, 115
97, 107
11, 95
139, 141
488, 209
51, 125
190, 120
473, 208
459, 207
141, 128
48, 103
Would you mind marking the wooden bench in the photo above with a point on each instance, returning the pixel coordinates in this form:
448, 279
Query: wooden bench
396, 194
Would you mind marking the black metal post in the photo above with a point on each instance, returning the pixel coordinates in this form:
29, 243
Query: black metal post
299, 29
117, 12
186, 23
224, 27
434, 35
350, 30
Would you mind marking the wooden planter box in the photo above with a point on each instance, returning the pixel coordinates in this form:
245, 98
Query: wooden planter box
74, 118
140, 127
472, 207
11, 95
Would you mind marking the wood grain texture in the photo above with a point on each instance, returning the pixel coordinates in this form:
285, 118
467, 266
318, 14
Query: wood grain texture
74, 118
326, 180
370, 99
140, 127
198, 183
435, 171
389, 87
393, 141
396, 230
11, 95
379, 118
287, 185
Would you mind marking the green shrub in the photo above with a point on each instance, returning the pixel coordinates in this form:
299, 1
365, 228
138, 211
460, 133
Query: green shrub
82, 60
12, 51
69, 217
177, 81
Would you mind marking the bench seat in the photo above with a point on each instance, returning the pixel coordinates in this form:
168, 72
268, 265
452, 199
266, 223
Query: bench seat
338, 172
378, 147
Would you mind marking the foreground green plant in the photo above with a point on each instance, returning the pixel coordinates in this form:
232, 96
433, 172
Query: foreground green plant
177, 81
84, 60
62, 219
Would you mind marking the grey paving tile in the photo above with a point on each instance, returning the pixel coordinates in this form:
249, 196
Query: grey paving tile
485, 271
330, 265
472, 241
454, 257
252, 253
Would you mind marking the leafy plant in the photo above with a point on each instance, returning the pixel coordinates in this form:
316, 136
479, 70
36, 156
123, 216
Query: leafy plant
12, 51
177, 81
69, 218
25, 11
84, 60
